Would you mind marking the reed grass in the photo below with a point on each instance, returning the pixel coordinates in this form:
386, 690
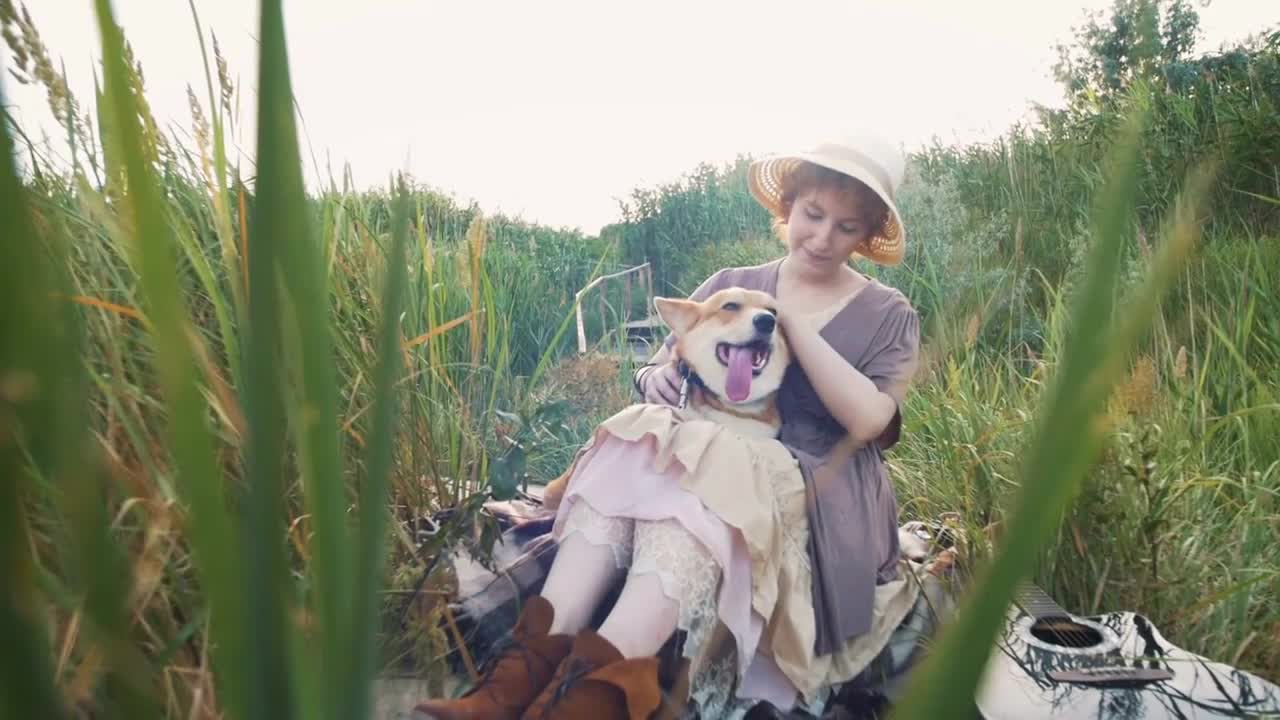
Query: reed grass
266, 428
227, 402
1069, 430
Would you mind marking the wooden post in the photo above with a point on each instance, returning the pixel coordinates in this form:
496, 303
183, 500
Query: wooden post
604, 312
626, 298
646, 282
582, 330
648, 291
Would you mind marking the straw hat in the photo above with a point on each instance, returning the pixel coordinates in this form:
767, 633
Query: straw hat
869, 159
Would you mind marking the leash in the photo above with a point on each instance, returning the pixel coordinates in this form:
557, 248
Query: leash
689, 380
685, 374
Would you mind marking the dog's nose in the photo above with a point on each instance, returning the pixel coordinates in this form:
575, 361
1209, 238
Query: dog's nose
764, 322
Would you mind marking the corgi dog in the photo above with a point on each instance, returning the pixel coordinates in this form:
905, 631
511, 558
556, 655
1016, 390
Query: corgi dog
733, 357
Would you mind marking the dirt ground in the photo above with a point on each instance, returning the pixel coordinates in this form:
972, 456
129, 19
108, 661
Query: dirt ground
395, 697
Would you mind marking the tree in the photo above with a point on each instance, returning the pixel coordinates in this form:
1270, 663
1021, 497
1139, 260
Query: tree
1142, 39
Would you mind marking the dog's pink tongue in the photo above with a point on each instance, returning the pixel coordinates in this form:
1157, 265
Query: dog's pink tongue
738, 384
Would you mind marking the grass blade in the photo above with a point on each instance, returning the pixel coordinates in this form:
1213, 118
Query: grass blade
278, 224
212, 537
374, 490
220, 197
283, 220
549, 354
1067, 440
34, 358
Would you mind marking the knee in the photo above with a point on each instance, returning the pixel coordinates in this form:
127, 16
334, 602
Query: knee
594, 528
683, 565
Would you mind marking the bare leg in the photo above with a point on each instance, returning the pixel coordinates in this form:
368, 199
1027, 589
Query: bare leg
642, 619
672, 584
593, 553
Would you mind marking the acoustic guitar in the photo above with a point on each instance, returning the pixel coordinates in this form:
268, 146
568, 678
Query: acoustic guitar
1049, 663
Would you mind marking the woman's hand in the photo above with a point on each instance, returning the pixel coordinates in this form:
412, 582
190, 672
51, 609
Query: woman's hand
661, 384
852, 398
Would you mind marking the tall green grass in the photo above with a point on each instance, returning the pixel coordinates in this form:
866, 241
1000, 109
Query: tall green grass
38, 391
1069, 433
228, 402
278, 385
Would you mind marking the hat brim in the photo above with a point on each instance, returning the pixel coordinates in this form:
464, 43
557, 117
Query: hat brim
765, 179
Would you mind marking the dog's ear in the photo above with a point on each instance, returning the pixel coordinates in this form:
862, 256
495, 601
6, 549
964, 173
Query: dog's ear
679, 315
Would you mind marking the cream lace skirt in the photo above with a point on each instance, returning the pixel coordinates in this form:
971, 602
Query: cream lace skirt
744, 500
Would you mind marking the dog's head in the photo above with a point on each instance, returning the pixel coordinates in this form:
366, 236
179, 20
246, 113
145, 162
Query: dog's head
730, 340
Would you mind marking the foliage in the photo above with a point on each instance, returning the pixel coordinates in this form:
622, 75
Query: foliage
1137, 40
708, 207
229, 408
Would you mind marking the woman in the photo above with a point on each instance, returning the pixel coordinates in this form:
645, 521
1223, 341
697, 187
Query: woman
788, 548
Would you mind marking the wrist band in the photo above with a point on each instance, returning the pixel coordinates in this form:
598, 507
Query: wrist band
639, 375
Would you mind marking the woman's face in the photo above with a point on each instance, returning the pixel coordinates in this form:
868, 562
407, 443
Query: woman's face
825, 226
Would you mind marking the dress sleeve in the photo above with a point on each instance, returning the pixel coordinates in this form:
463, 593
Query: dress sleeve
892, 362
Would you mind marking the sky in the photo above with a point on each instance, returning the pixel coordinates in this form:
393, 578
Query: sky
555, 110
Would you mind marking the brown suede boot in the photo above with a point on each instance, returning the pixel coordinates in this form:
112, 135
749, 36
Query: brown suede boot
595, 682
514, 677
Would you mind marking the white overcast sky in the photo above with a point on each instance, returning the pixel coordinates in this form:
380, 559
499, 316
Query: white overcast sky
551, 110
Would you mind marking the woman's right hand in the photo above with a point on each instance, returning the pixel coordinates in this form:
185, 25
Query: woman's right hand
661, 384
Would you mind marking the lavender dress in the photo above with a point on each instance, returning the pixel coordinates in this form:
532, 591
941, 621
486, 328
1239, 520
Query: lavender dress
811, 582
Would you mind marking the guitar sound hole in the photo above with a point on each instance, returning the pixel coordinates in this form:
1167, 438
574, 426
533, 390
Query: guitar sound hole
1065, 633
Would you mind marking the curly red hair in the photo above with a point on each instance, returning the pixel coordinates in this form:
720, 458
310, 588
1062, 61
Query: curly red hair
808, 176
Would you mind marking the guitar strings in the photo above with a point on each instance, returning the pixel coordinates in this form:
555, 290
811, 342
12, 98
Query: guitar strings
1072, 636
1069, 637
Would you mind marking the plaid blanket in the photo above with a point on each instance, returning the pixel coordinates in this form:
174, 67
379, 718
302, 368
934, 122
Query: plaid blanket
489, 598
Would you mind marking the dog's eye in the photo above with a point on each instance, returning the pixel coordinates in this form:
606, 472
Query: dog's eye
731, 306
